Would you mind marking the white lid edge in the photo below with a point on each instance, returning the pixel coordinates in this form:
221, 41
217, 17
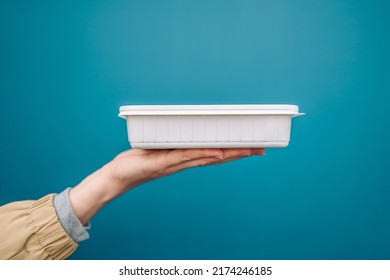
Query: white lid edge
253, 109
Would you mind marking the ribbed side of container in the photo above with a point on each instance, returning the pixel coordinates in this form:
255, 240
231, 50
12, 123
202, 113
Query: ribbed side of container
208, 129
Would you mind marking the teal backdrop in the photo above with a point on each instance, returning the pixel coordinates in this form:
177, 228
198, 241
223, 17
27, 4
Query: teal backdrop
67, 66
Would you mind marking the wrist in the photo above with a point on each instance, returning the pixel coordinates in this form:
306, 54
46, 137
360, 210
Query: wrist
90, 195
102, 186
119, 180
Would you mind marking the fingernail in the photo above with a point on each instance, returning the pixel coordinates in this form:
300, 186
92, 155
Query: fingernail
219, 157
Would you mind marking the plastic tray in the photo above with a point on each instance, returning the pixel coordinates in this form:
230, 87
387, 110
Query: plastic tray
208, 126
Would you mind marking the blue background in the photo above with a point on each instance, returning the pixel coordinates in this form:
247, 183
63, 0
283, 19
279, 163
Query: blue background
67, 66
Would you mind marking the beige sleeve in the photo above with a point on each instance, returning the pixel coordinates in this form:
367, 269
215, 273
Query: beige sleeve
31, 230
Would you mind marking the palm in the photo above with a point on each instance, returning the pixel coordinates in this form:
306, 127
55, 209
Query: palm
139, 166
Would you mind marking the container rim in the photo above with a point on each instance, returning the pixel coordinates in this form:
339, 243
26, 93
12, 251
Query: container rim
241, 109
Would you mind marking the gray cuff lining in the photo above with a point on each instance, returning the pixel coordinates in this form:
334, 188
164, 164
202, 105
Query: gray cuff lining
68, 218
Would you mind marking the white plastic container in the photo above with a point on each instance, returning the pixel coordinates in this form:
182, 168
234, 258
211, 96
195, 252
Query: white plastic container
208, 126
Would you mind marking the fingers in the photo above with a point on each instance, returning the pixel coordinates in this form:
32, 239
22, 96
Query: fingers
173, 157
228, 160
179, 156
191, 163
235, 154
258, 151
229, 155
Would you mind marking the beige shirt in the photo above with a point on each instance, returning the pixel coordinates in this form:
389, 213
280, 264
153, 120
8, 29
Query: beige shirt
31, 230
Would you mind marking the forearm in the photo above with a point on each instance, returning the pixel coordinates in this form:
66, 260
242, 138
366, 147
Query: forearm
92, 194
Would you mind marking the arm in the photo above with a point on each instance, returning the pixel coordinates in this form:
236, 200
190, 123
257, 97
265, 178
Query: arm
34, 230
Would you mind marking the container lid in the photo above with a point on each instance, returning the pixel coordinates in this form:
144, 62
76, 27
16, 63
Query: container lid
174, 110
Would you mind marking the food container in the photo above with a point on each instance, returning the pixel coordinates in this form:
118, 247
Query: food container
208, 126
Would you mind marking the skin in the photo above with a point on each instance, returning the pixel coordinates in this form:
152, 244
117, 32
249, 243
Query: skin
135, 167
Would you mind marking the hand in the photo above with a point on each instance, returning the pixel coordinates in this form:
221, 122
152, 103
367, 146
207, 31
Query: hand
134, 167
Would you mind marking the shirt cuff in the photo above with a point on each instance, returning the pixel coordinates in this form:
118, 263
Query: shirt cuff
68, 218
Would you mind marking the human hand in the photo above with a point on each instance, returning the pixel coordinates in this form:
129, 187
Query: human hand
136, 166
